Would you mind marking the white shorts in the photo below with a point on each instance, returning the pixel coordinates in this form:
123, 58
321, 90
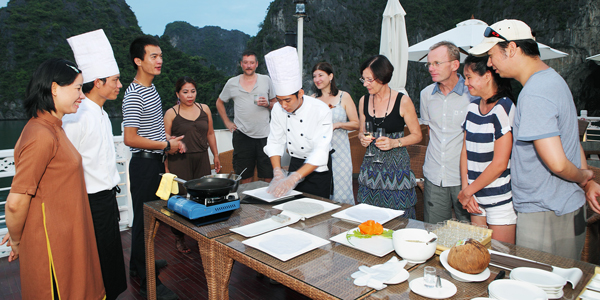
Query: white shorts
499, 215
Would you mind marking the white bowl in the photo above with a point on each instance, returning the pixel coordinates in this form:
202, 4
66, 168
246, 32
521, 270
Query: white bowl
414, 252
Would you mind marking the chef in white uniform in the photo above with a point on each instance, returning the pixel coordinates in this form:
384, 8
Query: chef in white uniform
302, 124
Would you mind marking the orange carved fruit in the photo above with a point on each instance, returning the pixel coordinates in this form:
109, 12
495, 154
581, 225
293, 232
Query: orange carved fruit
370, 227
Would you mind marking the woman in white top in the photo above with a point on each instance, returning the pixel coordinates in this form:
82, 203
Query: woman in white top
345, 119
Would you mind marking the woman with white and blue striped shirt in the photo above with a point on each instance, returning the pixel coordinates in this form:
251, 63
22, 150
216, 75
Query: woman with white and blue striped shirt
485, 158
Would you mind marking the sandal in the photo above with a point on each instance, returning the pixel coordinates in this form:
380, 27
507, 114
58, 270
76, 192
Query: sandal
181, 246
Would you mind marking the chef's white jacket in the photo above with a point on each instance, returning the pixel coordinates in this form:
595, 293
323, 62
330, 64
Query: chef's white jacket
306, 133
90, 131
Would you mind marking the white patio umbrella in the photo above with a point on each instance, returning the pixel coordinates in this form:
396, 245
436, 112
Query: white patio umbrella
465, 36
595, 57
394, 43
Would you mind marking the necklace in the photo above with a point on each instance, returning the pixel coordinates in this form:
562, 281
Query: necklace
386, 110
135, 79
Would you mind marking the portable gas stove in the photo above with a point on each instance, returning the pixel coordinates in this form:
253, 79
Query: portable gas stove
205, 211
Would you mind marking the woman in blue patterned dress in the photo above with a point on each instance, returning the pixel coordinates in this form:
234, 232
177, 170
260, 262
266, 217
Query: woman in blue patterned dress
345, 118
389, 184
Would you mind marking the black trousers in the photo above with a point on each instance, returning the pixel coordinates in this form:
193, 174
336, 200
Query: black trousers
105, 215
144, 181
316, 183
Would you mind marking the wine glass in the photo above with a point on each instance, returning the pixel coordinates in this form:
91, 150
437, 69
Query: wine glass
368, 134
379, 133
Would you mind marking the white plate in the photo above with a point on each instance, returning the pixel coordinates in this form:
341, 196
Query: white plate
401, 277
326, 206
377, 245
541, 278
447, 290
462, 276
557, 295
364, 212
263, 226
286, 243
261, 193
507, 289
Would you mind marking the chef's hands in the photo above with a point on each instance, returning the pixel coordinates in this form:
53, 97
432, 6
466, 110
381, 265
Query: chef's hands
468, 202
177, 145
365, 140
284, 186
278, 175
14, 252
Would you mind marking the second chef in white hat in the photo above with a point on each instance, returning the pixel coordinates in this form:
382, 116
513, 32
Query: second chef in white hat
302, 124
90, 131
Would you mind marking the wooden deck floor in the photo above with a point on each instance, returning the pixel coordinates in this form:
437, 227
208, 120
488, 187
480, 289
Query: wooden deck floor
184, 275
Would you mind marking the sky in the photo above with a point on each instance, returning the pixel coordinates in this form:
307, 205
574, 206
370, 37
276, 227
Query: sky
154, 15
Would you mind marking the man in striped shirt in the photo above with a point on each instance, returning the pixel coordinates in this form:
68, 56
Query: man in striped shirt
144, 133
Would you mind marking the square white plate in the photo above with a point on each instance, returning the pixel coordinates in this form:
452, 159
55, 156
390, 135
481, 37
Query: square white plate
364, 212
263, 226
326, 207
376, 245
286, 243
261, 193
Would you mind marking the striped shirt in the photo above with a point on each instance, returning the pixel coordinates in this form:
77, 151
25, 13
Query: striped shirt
142, 109
481, 133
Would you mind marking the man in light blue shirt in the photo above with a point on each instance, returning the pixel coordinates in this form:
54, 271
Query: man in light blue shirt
444, 108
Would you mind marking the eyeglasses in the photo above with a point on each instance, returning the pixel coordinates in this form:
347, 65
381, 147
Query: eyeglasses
436, 63
489, 32
369, 81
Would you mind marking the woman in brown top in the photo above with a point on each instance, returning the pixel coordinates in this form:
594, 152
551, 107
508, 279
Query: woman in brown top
193, 121
47, 211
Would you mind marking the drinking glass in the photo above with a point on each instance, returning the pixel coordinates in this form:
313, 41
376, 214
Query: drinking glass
258, 97
379, 133
429, 277
368, 134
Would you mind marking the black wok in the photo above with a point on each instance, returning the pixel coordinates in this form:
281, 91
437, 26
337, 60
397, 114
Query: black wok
208, 187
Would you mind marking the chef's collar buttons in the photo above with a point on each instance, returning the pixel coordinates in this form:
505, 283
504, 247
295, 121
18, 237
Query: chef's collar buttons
288, 129
292, 153
301, 147
300, 120
302, 134
305, 157
289, 116
290, 143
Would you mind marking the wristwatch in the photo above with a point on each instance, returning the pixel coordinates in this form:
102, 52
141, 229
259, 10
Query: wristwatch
399, 143
167, 148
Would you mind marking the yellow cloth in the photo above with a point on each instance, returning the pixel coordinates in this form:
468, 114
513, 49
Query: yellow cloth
167, 186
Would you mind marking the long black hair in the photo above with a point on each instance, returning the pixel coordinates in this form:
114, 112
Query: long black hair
38, 96
327, 68
478, 64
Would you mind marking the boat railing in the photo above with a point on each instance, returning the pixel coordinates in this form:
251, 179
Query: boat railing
7, 170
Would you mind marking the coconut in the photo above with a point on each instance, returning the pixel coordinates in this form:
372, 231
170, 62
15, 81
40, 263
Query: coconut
471, 257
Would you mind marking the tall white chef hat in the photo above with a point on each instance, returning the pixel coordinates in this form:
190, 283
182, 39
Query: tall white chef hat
284, 69
94, 55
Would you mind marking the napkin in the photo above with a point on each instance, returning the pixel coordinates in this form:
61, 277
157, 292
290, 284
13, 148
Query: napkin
376, 276
167, 186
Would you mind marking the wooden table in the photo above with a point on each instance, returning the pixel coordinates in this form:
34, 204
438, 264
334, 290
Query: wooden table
323, 273
156, 211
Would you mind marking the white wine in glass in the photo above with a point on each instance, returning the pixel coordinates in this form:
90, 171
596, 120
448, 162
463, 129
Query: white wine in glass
369, 134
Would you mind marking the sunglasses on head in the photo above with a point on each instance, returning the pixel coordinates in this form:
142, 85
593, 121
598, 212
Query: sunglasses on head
489, 32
